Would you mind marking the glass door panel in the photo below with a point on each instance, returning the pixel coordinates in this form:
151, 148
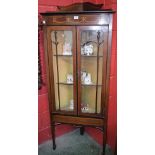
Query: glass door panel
91, 57
63, 69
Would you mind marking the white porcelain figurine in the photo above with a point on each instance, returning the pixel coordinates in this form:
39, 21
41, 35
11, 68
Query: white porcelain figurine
71, 106
83, 75
87, 50
67, 49
69, 78
87, 79
84, 107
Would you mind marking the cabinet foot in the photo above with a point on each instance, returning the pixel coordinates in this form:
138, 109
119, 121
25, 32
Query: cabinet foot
103, 151
82, 129
53, 136
54, 146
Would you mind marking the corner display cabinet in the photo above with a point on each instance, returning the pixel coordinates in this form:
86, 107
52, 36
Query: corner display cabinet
77, 42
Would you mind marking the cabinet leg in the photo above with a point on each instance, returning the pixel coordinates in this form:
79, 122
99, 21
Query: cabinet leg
53, 136
103, 152
104, 143
82, 129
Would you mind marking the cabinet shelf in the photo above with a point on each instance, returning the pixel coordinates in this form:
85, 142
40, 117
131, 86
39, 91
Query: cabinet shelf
65, 83
91, 56
91, 85
62, 55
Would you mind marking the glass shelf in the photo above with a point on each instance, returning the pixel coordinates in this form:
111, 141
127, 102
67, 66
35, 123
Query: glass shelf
65, 83
91, 85
67, 108
91, 56
61, 55
88, 56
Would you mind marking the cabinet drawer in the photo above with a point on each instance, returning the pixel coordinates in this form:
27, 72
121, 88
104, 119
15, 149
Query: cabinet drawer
77, 19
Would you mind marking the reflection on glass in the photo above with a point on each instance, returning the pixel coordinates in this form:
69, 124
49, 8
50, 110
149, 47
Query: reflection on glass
63, 78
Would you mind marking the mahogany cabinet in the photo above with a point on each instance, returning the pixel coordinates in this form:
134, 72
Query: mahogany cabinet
77, 49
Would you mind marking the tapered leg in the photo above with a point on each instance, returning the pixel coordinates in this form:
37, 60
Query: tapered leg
104, 143
82, 129
53, 136
103, 153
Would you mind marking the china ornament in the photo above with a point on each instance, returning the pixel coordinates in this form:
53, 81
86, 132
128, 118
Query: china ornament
83, 75
71, 106
84, 107
67, 49
86, 77
69, 78
87, 50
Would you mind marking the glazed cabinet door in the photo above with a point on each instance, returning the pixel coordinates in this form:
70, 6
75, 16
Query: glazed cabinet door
62, 67
92, 53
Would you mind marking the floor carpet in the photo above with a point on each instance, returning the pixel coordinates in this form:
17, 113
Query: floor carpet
73, 144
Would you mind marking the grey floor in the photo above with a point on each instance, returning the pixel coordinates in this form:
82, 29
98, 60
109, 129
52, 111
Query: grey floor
73, 144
